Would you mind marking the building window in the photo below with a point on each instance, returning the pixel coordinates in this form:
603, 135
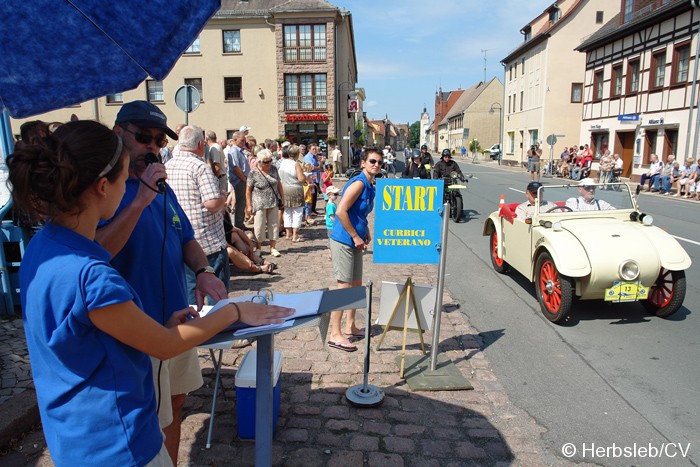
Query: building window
598, 85
305, 43
576, 92
658, 69
511, 73
155, 90
509, 103
194, 47
681, 62
527, 33
522, 66
522, 98
554, 15
514, 106
233, 88
511, 142
633, 76
628, 10
305, 92
599, 17
534, 137
116, 98
197, 83
232, 42
616, 81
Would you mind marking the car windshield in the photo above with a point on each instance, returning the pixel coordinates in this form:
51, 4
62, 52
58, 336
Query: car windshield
562, 199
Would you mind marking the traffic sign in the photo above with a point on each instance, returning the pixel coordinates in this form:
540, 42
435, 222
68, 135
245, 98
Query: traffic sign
552, 139
187, 98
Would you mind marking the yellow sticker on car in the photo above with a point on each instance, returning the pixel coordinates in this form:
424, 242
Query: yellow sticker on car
626, 292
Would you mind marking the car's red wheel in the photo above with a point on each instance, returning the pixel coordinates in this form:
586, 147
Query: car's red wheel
555, 291
667, 294
499, 264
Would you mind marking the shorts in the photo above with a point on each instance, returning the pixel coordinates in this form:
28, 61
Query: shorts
178, 375
535, 166
347, 262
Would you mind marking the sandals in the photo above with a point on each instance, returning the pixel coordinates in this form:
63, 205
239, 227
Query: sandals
344, 345
266, 268
298, 239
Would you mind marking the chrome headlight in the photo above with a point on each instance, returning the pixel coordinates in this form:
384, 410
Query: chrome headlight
629, 270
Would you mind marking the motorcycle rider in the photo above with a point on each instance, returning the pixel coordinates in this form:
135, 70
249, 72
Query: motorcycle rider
446, 166
425, 157
415, 168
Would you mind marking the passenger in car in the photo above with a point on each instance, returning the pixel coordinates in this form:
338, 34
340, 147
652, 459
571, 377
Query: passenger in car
526, 210
587, 200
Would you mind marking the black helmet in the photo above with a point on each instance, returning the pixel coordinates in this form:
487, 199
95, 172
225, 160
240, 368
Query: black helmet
446, 152
532, 187
425, 146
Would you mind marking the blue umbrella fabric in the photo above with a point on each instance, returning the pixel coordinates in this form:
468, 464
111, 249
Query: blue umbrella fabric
56, 53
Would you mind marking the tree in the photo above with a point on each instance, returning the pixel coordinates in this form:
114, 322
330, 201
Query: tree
360, 140
414, 135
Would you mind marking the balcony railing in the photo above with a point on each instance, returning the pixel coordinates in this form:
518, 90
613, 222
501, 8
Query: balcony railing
303, 103
304, 54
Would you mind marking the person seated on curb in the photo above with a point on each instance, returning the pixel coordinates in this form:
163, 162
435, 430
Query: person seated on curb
587, 201
241, 251
665, 178
526, 210
683, 180
652, 174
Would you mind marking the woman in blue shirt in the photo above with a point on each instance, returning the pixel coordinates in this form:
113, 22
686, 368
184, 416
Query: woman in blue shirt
86, 334
349, 239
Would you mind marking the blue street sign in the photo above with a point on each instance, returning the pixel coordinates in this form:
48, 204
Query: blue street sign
408, 224
628, 117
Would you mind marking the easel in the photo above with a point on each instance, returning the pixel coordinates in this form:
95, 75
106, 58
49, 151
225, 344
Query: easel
410, 298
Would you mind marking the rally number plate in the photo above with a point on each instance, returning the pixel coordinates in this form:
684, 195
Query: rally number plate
626, 292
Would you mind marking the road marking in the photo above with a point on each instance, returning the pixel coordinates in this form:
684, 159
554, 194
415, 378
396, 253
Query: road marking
519, 191
685, 240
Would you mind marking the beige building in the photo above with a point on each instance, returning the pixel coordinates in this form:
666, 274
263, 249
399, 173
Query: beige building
282, 68
544, 78
638, 83
471, 112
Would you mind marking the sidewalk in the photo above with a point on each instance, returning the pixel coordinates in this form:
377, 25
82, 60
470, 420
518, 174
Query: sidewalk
317, 426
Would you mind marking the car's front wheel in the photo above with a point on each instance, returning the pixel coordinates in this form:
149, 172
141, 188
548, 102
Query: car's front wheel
667, 294
555, 291
499, 264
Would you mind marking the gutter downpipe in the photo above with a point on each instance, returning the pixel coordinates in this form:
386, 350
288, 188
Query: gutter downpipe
692, 97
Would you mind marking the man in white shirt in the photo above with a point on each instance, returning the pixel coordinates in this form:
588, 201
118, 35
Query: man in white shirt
337, 159
216, 161
526, 210
652, 174
587, 200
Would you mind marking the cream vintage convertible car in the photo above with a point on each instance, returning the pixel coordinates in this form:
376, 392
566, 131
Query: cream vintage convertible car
589, 242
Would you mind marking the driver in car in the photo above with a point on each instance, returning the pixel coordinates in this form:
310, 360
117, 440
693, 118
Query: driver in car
587, 201
446, 166
527, 209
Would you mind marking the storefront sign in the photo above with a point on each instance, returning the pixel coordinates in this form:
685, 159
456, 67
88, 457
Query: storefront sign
655, 121
306, 117
408, 223
628, 117
595, 127
353, 106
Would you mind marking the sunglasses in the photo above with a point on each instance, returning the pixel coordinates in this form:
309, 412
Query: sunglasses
269, 161
589, 188
373, 161
145, 138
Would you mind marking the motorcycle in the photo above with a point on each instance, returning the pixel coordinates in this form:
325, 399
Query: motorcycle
453, 196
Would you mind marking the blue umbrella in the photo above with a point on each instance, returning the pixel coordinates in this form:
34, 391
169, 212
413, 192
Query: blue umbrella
56, 53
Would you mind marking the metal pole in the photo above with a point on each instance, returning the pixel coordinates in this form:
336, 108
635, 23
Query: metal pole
692, 94
440, 287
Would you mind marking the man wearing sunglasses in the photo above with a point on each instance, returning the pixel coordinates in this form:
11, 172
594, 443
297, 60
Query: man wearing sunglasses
587, 200
151, 241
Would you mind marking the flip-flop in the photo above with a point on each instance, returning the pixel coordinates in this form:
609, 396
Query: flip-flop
356, 337
344, 345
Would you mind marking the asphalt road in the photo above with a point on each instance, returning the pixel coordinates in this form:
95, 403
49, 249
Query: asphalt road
613, 377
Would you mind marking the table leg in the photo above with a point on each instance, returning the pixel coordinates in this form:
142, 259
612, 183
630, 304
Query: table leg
217, 365
264, 401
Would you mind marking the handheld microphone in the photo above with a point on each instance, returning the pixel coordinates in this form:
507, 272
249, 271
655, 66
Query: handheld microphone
150, 158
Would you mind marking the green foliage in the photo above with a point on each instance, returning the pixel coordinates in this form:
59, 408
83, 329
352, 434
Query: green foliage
332, 140
360, 140
414, 135
474, 146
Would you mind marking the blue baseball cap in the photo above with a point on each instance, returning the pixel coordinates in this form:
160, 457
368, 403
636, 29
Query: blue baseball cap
143, 114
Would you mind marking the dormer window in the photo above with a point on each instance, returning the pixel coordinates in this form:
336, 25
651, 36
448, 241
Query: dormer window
527, 33
554, 15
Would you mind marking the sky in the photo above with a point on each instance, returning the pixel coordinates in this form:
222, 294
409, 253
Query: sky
407, 49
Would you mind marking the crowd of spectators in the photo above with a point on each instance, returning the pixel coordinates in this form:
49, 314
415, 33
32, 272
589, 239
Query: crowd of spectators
665, 178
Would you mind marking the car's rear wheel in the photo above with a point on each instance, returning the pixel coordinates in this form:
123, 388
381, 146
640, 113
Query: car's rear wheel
499, 264
555, 291
667, 294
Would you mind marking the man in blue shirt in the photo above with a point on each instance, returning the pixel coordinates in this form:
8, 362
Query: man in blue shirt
238, 170
316, 162
151, 242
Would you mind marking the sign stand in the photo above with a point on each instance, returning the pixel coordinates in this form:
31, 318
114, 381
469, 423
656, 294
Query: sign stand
431, 376
410, 299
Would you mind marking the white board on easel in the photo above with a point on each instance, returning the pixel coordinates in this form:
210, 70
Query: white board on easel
425, 297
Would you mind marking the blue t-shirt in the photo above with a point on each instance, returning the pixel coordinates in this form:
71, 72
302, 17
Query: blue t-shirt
330, 211
95, 394
311, 159
140, 259
357, 213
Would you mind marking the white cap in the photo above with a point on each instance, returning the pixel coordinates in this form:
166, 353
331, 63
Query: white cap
286, 143
245, 128
587, 182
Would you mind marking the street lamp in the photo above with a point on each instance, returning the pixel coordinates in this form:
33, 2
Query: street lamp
338, 132
500, 141
386, 130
